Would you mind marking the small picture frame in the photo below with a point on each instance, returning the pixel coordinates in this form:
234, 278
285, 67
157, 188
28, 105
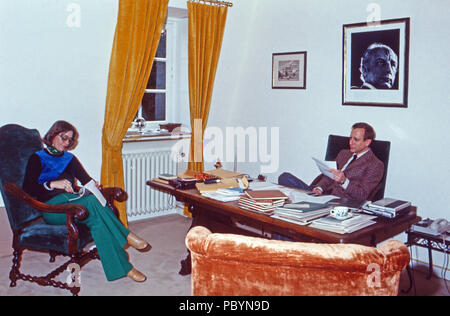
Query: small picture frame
289, 70
375, 63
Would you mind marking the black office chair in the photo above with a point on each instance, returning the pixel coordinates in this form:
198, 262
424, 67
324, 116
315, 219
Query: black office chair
30, 232
380, 148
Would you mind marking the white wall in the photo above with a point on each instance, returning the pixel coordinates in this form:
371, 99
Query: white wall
418, 170
418, 167
50, 71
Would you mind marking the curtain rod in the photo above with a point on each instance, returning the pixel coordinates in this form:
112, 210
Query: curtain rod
227, 4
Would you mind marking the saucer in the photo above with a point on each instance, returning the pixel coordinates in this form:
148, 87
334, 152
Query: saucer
341, 218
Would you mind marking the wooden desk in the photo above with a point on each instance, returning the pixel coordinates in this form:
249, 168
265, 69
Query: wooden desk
227, 217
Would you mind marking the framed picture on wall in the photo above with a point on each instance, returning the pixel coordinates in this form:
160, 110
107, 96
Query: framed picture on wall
375, 63
289, 70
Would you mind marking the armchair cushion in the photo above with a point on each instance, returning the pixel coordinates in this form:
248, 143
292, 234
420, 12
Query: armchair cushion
42, 236
16, 146
227, 264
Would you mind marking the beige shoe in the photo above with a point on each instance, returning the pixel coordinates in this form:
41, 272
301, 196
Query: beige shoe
136, 275
138, 243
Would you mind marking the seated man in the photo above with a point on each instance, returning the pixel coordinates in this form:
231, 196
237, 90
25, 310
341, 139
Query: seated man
358, 169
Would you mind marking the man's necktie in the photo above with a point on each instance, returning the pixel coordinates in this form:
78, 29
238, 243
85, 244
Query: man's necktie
351, 161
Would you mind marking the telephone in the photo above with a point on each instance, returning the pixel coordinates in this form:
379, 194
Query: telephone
440, 225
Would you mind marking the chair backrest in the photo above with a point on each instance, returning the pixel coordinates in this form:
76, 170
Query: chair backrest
17, 144
230, 265
380, 148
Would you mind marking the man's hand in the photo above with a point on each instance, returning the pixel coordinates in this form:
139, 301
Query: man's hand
339, 176
317, 191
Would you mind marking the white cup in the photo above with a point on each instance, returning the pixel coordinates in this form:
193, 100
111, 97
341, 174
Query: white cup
339, 211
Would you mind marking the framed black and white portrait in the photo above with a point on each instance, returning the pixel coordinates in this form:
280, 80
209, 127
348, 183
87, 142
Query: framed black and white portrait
375, 63
289, 70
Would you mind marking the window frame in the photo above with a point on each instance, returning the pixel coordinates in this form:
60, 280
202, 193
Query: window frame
171, 37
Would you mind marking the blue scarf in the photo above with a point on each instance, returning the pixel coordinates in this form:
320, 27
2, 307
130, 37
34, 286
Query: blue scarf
52, 166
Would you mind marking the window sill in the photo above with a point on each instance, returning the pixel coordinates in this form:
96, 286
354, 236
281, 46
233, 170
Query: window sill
135, 136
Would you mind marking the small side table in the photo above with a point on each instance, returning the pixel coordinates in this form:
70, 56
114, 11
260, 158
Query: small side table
431, 242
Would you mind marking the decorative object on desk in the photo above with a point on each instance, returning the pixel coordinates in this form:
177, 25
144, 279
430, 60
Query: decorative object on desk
387, 41
289, 70
169, 126
262, 178
218, 164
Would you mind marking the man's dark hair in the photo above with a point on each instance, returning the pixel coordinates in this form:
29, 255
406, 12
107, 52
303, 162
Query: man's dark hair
61, 127
369, 132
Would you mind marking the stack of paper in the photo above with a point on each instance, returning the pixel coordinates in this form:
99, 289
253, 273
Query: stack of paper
224, 195
302, 207
264, 206
300, 217
264, 201
349, 225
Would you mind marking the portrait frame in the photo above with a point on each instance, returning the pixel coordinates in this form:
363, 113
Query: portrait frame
356, 39
289, 70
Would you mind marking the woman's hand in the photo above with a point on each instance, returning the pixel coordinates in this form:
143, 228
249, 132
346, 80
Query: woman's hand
62, 185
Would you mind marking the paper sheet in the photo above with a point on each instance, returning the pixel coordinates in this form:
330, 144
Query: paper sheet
325, 166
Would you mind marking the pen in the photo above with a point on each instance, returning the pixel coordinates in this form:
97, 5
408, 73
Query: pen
211, 181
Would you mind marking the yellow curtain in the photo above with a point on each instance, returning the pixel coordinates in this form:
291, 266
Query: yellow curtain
138, 30
206, 28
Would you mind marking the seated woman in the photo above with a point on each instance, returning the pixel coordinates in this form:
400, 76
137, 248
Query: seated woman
50, 178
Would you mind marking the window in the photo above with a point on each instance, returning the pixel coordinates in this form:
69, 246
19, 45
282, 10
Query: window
154, 105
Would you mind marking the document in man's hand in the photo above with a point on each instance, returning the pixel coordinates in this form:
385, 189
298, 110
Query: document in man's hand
325, 166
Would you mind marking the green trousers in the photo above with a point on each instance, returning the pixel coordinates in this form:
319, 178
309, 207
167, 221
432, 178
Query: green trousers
109, 235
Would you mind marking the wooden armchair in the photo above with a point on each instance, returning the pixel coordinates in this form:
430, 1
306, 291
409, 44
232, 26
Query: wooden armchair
30, 232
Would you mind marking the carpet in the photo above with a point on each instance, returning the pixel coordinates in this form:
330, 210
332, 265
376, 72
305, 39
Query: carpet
161, 265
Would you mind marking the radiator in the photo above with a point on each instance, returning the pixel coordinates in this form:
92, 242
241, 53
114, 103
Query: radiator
144, 202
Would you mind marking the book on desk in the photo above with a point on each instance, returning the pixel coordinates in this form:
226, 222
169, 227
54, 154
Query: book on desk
387, 207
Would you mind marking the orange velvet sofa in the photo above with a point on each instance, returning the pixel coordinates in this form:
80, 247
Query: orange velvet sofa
228, 264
